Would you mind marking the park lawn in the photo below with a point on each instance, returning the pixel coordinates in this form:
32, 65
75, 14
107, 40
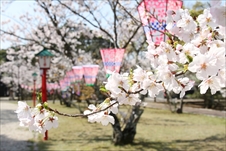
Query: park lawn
157, 130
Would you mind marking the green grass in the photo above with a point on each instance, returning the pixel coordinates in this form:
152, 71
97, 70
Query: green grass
157, 130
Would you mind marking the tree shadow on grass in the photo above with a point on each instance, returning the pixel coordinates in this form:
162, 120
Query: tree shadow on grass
8, 116
212, 143
9, 144
81, 141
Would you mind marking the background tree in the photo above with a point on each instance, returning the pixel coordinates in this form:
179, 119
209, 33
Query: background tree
2, 56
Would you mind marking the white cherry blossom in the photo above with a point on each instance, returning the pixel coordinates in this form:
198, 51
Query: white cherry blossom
139, 74
186, 36
168, 51
114, 108
206, 19
130, 99
102, 117
173, 29
204, 66
23, 110
218, 53
167, 77
185, 85
186, 22
37, 119
222, 76
212, 82
91, 118
188, 50
51, 122
219, 14
152, 87
116, 80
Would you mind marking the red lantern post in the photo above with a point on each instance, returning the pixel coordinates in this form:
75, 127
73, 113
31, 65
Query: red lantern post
44, 95
44, 64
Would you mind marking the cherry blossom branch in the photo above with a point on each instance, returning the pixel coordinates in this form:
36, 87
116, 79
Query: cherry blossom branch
134, 33
23, 38
129, 92
80, 115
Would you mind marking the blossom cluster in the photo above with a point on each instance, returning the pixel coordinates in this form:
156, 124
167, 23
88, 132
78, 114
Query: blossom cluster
37, 119
204, 50
102, 112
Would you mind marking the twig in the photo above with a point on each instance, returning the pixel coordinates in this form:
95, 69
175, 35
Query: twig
80, 115
129, 92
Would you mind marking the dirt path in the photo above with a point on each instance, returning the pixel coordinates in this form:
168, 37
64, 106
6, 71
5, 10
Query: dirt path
12, 136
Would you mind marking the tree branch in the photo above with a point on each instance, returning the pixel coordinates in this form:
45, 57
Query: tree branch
134, 33
137, 21
27, 39
76, 13
115, 23
129, 92
80, 115
67, 46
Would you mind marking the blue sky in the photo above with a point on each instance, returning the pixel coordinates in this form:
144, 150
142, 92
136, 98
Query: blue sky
18, 7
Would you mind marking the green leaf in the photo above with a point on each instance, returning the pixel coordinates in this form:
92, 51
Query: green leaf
185, 68
45, 105
190, 59
103, 89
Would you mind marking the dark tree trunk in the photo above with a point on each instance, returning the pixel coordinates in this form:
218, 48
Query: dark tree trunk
126, 136
58, 94
117, 133
180, 109
54, 96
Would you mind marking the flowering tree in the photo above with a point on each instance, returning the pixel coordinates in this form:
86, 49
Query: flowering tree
193, 46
